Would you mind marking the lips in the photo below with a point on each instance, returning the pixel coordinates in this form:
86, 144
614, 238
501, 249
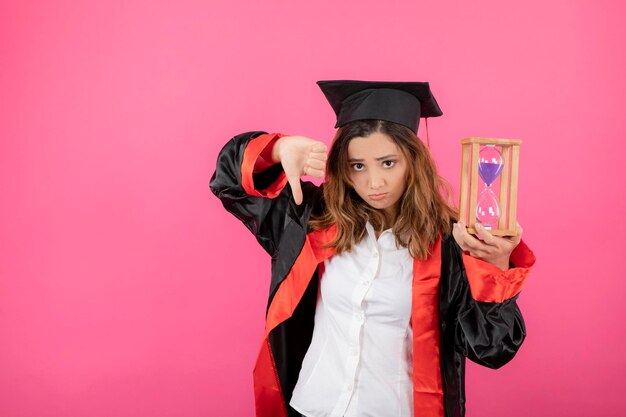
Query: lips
377, 196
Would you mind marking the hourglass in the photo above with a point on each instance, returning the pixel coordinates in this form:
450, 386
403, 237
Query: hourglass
496, 163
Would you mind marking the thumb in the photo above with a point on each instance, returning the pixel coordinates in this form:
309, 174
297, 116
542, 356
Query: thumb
296, 191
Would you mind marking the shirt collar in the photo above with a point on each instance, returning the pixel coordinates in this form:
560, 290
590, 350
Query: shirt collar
386, 239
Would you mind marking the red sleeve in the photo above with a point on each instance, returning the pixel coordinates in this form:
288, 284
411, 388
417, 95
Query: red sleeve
256, 159
488, 283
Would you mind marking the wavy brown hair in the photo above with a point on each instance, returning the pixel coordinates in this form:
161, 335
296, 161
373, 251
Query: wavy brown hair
424, 210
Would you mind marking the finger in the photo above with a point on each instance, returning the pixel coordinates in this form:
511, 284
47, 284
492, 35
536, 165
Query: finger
463, 233
315, 163
317, 173
313, 172
461, 236
456, 233
474, 245
458, 236
485, 235
469, 242
296, 191
319, 147
321, 156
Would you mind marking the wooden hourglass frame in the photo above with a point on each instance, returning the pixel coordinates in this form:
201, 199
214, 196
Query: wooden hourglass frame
508, 178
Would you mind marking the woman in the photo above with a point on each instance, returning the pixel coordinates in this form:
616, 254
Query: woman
375, 298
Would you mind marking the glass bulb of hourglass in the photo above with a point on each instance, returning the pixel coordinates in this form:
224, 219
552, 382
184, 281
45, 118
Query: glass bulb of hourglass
488, 210
489, 164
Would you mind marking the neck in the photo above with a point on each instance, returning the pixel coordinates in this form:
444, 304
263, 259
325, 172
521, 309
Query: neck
390, 217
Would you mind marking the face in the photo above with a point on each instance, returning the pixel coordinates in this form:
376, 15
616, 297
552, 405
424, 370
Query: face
378, 170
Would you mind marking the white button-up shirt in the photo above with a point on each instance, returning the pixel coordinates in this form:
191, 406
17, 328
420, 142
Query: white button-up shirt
359, 362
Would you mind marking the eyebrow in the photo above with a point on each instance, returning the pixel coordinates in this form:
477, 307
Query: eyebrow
378, 159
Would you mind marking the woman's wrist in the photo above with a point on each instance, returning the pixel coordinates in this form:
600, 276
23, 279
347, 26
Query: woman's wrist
275, 155
502, 263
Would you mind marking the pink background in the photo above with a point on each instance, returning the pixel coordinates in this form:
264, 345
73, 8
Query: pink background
121, 293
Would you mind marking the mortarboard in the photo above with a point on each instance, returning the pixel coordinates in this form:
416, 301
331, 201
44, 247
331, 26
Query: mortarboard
398, 102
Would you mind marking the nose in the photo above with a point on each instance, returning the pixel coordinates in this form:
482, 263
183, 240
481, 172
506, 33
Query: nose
376, 181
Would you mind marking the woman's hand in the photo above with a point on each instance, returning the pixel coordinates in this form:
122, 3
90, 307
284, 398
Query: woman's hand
493, 249
300, 156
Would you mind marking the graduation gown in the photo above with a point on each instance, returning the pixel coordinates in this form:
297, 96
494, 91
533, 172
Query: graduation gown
461, 306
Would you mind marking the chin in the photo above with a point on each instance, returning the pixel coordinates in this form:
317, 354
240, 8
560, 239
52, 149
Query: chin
379, 205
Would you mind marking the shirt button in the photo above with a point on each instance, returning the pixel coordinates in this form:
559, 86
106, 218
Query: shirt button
366, 282
374, 254
350, 387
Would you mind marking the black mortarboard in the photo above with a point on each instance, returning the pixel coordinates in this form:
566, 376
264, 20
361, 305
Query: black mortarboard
398, 102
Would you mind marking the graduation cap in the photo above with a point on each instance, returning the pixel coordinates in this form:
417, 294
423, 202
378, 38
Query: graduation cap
398, 102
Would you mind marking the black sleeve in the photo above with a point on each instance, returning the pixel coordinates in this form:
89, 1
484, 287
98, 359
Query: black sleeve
488, 333
265, 217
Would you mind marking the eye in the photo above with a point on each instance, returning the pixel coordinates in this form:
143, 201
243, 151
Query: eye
357, 166
389, 163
